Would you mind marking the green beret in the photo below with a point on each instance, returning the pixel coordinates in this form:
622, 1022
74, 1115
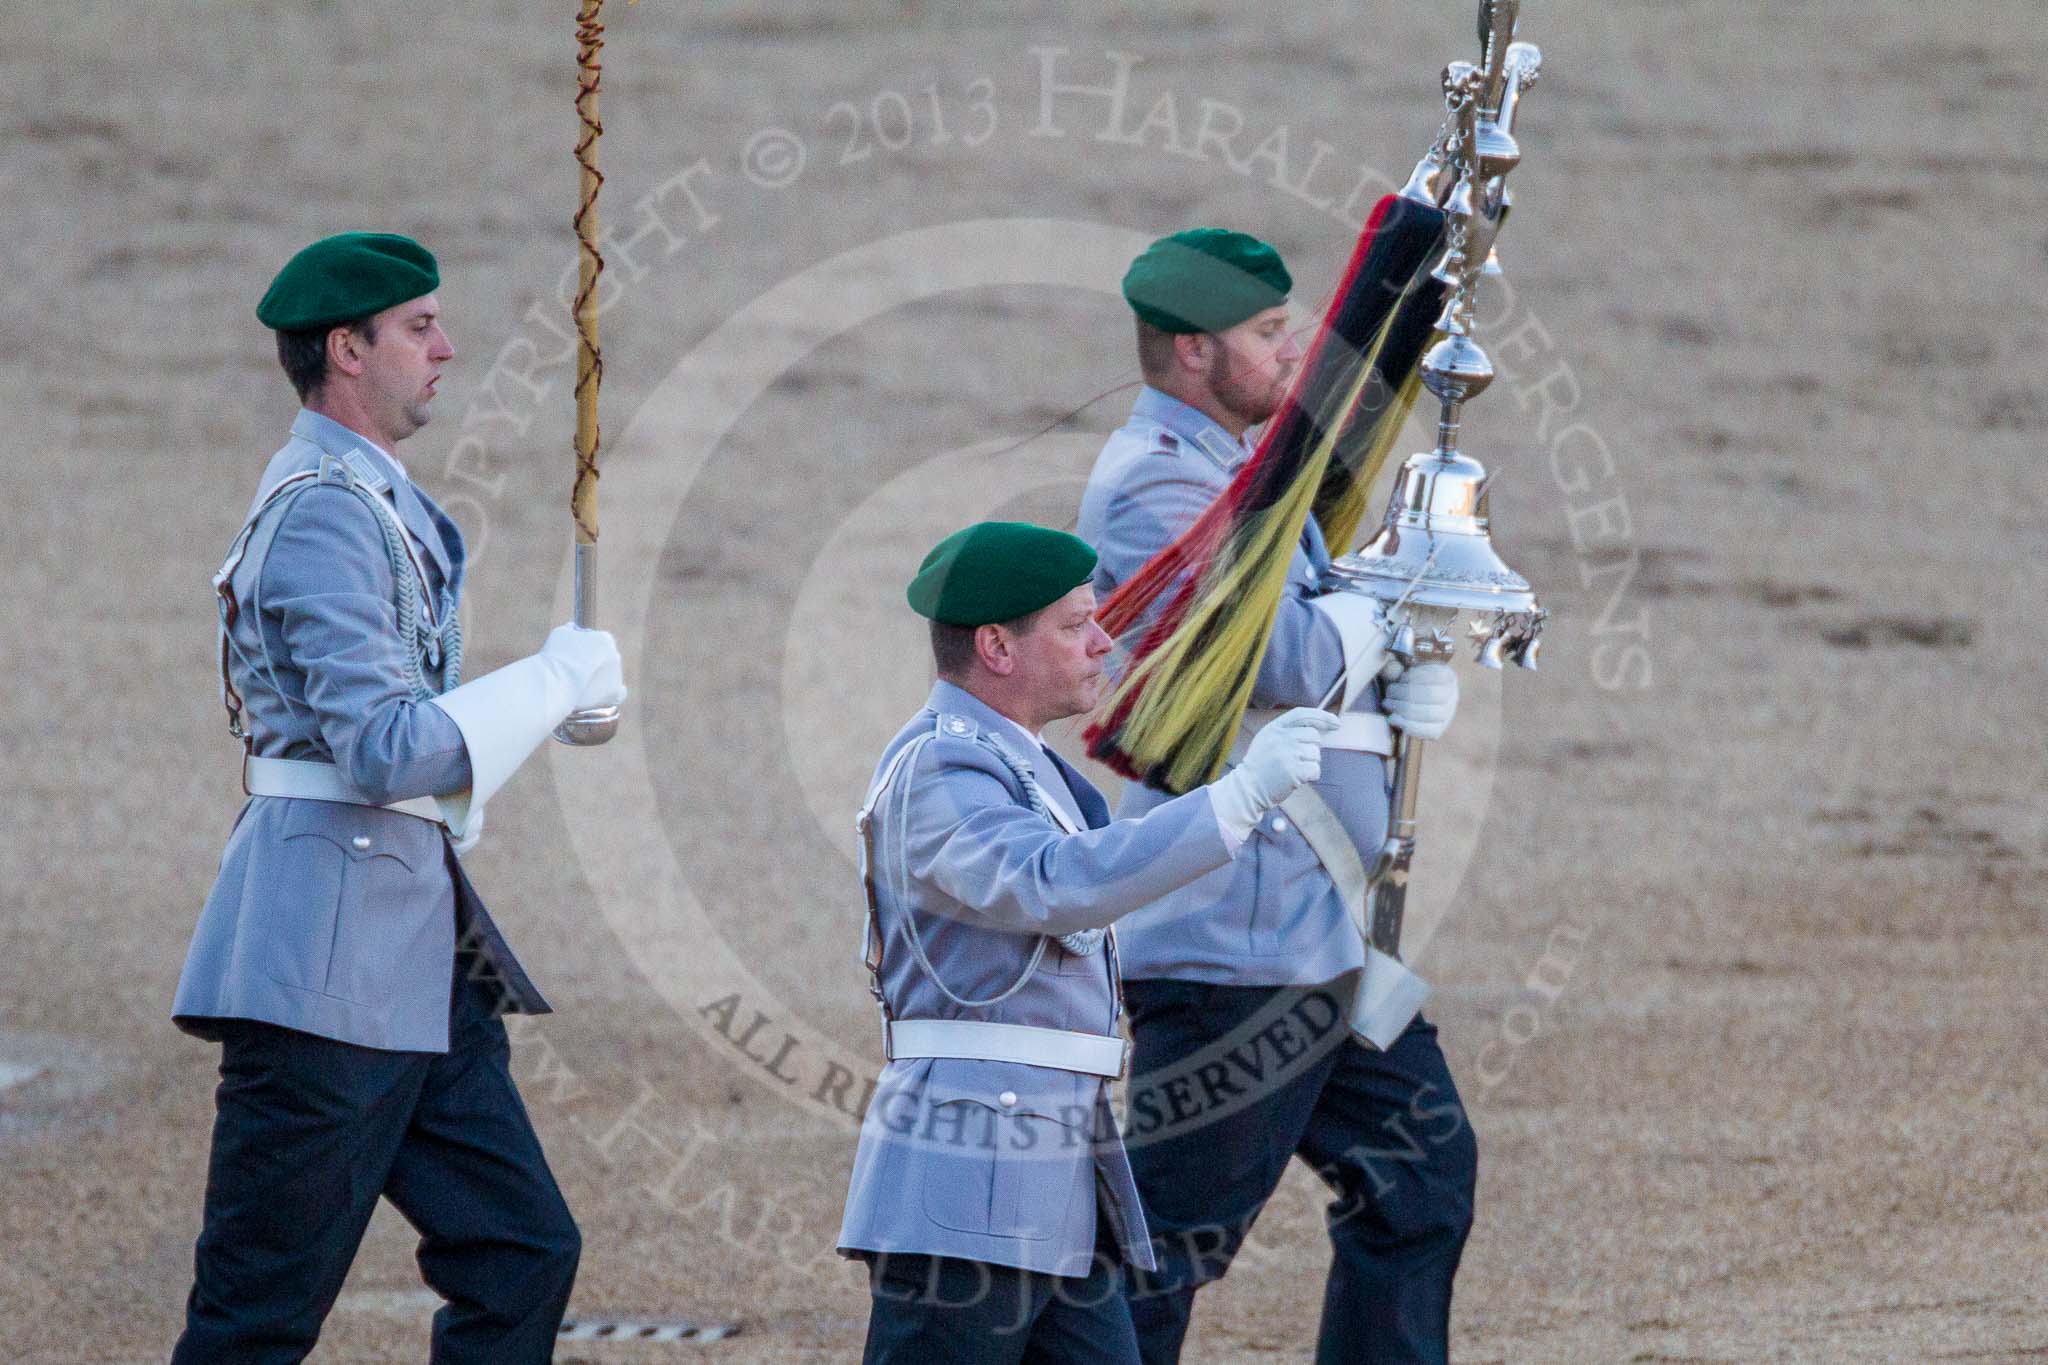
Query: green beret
996, 571
1204, 280
347, 276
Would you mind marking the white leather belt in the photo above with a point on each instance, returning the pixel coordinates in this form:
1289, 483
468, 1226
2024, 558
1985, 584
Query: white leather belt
1365, 732
1091, 1054
307, 780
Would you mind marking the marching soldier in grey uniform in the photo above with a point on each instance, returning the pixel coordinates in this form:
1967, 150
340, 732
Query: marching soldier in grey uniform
990, 1193
1240, 983
343, 961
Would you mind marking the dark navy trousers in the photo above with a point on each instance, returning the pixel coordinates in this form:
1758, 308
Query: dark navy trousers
309, 1132
1228, 1083
940, 1310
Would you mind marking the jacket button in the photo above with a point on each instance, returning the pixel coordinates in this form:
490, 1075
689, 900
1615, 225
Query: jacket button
1008, 1099
360, 842
1279, 825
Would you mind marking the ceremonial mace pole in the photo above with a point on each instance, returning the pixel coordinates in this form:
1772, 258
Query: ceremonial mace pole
600, 723
1434, 558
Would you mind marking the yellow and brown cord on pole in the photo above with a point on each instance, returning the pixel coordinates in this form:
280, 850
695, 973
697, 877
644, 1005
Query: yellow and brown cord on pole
599, 724
589, 265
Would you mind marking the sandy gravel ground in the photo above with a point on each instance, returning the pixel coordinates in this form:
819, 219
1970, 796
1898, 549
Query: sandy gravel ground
1735, 910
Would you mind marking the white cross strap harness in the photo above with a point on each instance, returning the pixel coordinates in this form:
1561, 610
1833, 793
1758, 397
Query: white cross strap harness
1364, 732
1389, 994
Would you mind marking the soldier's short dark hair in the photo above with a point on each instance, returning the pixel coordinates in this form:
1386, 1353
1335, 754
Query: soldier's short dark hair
953, 646
303, 353
1155, 350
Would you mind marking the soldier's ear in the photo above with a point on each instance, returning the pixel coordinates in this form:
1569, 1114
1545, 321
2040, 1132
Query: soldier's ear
344, 351
1193, 351
992, 645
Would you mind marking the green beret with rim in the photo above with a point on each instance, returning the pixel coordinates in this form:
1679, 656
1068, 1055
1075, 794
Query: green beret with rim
995, 571
347, 276
1204, 280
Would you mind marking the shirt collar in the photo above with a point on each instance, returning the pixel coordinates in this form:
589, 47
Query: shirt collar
336, 439
952, 699
1192, 425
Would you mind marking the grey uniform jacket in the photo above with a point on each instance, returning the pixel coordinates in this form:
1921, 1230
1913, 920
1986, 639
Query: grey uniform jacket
333, 919
1272, 917
1000, 1161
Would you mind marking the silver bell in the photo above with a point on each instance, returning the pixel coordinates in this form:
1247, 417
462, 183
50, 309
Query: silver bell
1434, 548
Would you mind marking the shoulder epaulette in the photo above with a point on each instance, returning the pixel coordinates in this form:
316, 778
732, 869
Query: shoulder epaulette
352, 468
1222, 452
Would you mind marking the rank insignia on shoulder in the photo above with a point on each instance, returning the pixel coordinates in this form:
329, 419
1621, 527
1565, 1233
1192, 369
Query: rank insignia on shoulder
1223, 452
958, 726
1166, 443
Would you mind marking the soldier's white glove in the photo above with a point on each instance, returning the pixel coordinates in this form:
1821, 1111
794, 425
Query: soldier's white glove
1282, 756
1422, 700
590, 659
505, 715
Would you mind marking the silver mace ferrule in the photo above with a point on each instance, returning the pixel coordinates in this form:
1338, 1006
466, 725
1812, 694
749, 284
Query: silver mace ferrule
598, 723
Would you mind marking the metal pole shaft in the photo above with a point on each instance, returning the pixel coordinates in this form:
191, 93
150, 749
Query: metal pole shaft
1390, 873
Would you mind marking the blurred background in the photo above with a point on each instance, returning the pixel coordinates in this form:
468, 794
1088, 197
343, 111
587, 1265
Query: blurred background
1734, 911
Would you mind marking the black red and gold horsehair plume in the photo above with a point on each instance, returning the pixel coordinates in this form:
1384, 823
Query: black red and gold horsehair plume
1202, 608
